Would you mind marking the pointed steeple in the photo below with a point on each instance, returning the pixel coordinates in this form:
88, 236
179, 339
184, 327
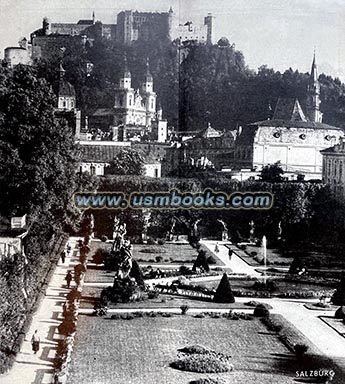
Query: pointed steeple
148, 77
125, 80
61, 71
93, 17
126, 70
313, 72
313, 94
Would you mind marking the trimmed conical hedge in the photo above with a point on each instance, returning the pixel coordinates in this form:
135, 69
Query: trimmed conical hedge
201, 261
224, 293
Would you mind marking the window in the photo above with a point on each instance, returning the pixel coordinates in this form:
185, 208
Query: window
340, 169
64, 104
93, 170
156, 172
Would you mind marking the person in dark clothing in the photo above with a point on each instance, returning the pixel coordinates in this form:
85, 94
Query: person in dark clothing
68, 278
35, 342
63, 257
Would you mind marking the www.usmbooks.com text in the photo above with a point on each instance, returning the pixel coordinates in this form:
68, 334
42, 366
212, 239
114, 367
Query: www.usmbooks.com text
207, 199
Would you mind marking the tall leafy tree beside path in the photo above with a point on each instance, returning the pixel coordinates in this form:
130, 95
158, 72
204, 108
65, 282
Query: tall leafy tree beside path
37, 152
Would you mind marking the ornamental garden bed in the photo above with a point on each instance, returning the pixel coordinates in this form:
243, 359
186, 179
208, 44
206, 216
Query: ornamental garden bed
91, 296
141, 350
285, 288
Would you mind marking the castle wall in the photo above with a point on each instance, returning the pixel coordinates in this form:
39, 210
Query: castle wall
17, 55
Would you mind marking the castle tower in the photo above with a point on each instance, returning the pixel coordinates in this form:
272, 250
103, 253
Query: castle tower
46, 26
171, 23
313, 95
208, 21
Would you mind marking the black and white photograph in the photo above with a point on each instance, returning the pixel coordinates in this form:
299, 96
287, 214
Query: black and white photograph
172, 191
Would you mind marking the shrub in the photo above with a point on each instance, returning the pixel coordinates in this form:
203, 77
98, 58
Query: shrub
185, 270
67, 327
152, 294
253, 253
270, 286
161, 242
184, 309
159, 259
208, 380
261, 310
197, 348
211, 260
300, 349
104, 238
252, 303
272, 324
199, 316
340, 313
101, 311
338, 297
73, 295
203, 363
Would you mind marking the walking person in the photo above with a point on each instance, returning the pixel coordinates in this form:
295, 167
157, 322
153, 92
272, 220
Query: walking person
68, 278
68, 248
230, 253
63, 257
216, 248
35, 342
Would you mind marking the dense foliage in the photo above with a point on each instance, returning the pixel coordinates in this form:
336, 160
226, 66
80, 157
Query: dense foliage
212, 83
38, 178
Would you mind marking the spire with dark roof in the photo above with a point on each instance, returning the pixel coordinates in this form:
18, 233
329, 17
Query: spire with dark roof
148, 77
313, 94
313, 72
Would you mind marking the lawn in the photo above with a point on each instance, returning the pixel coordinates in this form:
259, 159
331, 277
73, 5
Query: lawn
273, 256
140, 351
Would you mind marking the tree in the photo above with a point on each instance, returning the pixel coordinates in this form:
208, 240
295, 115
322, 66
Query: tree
338, 297
37, 152
127, 162
201, 261
223, 42
272, 173
224, 293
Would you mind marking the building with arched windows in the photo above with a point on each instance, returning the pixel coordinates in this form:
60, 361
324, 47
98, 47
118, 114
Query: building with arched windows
292, 137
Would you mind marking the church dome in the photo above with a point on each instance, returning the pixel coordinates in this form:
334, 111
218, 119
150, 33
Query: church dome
63, 88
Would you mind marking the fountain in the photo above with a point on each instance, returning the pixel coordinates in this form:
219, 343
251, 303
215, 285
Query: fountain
264, 246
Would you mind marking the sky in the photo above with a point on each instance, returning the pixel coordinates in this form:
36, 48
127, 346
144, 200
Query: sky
278, 33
